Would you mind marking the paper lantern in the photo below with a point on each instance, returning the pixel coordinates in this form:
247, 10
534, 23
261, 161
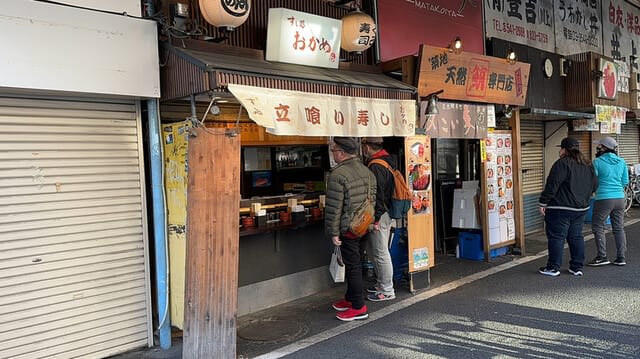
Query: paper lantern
358, 31
227, 14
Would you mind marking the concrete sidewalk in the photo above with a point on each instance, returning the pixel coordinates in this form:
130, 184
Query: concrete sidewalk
277, 327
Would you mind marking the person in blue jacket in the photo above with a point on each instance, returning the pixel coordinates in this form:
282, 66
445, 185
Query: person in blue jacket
613, 176
564, 203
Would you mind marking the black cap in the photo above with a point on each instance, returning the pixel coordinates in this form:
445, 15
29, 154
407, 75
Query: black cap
347, 144
374, 140
569, 143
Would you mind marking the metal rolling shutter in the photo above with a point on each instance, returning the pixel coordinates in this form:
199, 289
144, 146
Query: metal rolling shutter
73, 263
628, 142
584, 138
532, 137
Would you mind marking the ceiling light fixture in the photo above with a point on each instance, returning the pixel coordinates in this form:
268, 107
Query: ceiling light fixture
456, 46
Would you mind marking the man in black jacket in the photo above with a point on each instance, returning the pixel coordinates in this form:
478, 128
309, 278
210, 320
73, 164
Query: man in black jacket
564, 203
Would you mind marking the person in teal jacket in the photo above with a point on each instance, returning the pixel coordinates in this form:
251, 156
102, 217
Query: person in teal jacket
613, 176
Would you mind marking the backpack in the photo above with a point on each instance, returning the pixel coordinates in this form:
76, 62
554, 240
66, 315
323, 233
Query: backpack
401, 196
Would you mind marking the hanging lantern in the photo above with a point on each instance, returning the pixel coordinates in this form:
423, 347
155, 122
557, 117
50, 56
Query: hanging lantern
358, 31
227, 14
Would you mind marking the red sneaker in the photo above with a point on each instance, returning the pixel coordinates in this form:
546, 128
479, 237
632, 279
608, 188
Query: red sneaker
353, 314
342, 305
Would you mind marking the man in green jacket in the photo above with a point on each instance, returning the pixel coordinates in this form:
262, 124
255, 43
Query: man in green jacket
350, 183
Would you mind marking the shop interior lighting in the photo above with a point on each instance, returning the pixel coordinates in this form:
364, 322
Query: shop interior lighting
511, 56
456, 46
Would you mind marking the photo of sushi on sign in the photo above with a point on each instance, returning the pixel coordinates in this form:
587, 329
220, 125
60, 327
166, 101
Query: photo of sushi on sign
419, 176
421, 203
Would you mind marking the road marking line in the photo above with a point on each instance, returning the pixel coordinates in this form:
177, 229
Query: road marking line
390, 309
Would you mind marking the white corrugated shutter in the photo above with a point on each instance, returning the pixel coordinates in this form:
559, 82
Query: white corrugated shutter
628, 142
73, 264
532, 137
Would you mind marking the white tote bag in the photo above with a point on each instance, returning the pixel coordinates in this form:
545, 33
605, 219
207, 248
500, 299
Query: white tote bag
336, 267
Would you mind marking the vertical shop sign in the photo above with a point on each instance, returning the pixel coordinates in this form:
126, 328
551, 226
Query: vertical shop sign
608, 82
578, 26
527, 22
621, 31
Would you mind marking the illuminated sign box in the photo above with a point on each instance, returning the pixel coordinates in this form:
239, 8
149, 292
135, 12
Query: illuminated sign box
299, 38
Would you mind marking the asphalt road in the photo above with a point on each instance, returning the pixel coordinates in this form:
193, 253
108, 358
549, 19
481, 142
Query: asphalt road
514, 313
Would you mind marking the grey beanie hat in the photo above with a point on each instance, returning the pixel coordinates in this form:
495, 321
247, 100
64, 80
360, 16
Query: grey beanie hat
347, 144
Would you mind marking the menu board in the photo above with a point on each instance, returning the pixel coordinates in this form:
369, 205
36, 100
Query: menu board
419, 171
420, 216
499, 187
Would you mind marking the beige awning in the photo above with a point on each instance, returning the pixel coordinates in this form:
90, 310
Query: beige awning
284, 112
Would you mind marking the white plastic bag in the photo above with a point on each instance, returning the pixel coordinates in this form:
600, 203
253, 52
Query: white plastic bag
336, 267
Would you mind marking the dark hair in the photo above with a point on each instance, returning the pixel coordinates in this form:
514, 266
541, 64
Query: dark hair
601, 150
577, 156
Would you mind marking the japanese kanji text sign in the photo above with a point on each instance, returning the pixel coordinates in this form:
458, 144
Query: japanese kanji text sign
471, 77
621, 31
299, 38
284, 112
578, 26
527, 22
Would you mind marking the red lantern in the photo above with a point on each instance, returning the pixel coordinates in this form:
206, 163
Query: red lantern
358, 31
227, 14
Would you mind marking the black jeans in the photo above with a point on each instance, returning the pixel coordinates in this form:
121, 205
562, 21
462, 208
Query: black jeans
350, 249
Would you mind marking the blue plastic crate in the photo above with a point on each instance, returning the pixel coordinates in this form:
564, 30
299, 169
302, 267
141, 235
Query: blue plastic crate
470, 247
589, 215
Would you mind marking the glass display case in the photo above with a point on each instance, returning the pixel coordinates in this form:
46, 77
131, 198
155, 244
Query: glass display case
272, 171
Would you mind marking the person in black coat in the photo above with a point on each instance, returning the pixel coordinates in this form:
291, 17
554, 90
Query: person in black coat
564, 203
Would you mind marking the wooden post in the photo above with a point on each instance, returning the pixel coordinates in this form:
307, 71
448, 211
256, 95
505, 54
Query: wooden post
211, 288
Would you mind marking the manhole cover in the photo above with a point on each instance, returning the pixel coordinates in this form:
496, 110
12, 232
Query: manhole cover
273, 330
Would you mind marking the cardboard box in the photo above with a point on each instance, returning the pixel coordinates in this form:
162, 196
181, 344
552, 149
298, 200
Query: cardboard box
465, 208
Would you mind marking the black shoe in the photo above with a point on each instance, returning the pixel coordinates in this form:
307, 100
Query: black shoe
576, 272
620, 262
374, 289
599, 261
549, 271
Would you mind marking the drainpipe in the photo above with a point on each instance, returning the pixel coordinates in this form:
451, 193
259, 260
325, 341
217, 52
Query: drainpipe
159, 224
159, 212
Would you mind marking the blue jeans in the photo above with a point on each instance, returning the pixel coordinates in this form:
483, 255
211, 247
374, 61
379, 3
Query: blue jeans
562, 225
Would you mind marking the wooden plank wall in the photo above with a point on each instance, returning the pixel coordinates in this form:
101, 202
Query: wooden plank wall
211, 289
581, 87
